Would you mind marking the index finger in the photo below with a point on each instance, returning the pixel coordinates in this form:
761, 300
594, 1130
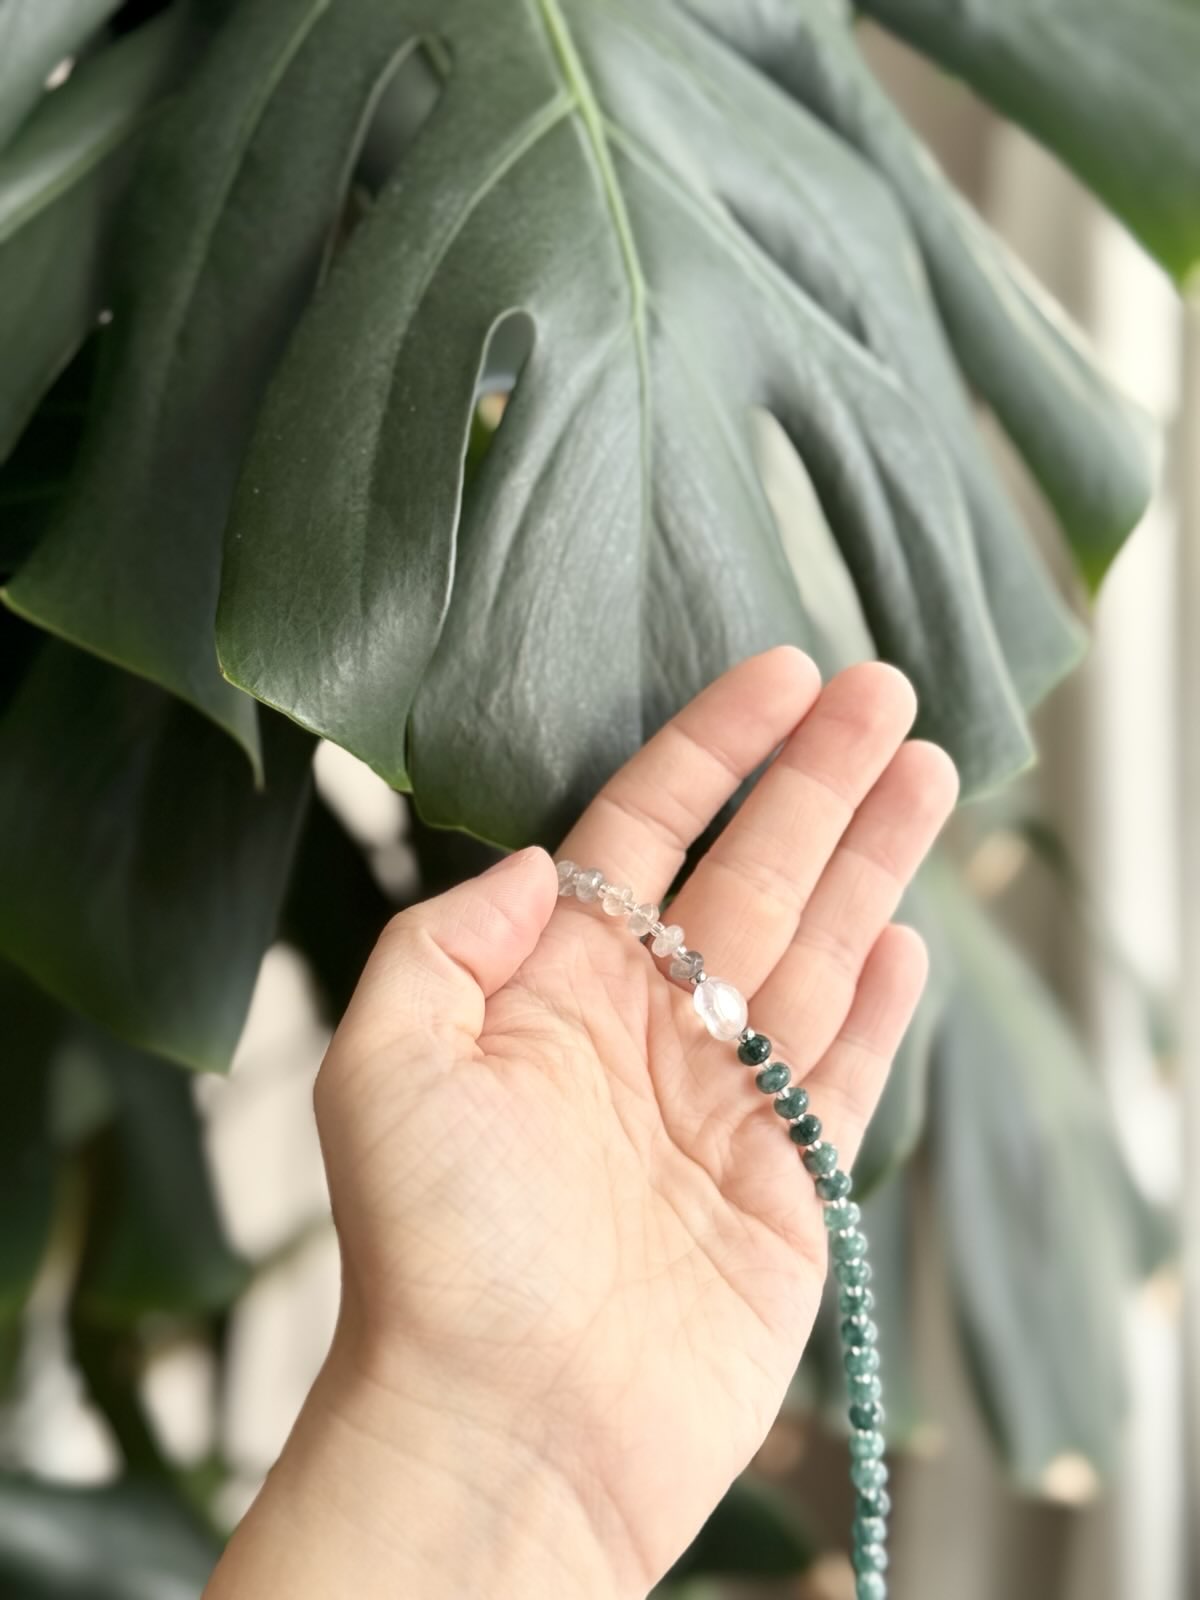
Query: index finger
638, 828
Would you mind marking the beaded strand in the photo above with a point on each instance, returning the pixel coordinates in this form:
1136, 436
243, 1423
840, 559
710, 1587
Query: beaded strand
725, 1014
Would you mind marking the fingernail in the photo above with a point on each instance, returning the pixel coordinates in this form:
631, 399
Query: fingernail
509, 861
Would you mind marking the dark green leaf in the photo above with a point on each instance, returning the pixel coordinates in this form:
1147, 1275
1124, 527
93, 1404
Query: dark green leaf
127, 1541
899, 1119
59, 184
683, 243
27, 1164
753, 1533
228, 222
335, 909
34, 478
155, 1240
35, 37
1111, 87
1085, 444
1044, 1225
140, 872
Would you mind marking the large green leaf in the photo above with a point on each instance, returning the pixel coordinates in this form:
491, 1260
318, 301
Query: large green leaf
140, 871
155, 1240
232, 213
27, 1162
753, 1532
1045, 1229
1110, 86
127, 1541
683, 243
35, 36
59, 183
1087, 446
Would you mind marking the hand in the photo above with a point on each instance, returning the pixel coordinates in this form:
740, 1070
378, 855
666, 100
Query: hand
581, 1258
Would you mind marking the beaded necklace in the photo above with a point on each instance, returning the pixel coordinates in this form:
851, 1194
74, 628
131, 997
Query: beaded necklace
725, 1013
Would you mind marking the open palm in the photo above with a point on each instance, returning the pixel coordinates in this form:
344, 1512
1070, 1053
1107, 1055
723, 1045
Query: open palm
558, 1198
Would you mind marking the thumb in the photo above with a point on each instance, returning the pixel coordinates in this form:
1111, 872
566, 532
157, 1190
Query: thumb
437, 963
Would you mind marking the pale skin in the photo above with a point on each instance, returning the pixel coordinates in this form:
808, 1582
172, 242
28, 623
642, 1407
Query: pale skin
581, 1258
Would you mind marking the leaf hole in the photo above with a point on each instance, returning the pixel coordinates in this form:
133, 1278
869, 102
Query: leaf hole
404, 102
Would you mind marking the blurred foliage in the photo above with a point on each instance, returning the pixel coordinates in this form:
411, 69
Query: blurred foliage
260, 262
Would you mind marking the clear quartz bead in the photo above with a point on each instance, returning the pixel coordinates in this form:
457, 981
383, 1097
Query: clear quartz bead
588, 884
668, 941
567, 873
617, 901
642, 919
721, 1008
687, 965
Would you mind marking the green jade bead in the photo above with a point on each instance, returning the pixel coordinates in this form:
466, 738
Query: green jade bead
842, 1214
773, 1078
848, 1246
821, 1160
853, 1274
868, 1475
861, 1363
866, 1446
870, 1558
835, 1187
871, 1415
870, 1586
752, 1052
868, 1530
856, 1302
864, 1388
859, 1331
793, 1103
806, 1131
874, 1503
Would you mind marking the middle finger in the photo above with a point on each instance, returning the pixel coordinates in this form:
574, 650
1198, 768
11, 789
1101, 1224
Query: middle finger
742, 905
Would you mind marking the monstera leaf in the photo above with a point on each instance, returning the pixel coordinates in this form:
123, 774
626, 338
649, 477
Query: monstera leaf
683, 243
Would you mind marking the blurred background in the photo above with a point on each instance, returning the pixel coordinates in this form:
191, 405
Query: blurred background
1091, 863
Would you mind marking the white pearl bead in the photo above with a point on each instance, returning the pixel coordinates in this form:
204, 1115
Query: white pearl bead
668, 941
721, 1008
642, 919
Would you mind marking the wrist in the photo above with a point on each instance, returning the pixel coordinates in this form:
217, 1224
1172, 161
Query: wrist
380, 1493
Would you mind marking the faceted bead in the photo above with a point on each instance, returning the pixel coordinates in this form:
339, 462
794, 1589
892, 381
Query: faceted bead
754, 1050
866, 1446
835, 1187
721, 1008
870, 1586
853, 1274
871, 1415
793, 1102
858, 1331
868, 1475
842, 1214
861, 1363
642, 919
617, 900
806, 1131
864, 1390
821, 1160
589, 884
668, 941
869, 1530
687, 965
870, 1558
567, 873
773, 1078
848, 1246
